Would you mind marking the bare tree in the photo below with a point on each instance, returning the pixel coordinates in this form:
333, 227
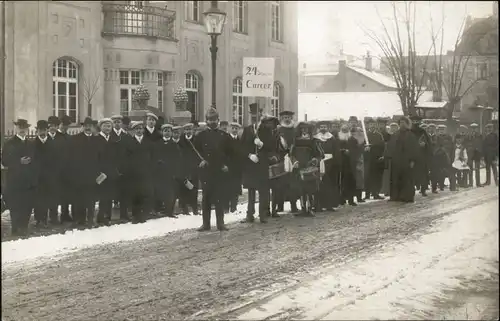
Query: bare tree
399, 49
451, 75
90, 88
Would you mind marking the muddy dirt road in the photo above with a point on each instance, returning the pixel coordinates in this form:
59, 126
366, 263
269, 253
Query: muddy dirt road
378, 260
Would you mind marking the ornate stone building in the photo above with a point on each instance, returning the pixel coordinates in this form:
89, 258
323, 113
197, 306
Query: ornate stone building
87, 58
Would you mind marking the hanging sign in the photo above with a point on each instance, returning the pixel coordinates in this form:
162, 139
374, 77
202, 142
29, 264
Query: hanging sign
258, 77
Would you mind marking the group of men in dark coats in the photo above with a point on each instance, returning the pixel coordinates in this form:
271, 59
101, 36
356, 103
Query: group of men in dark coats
145, 167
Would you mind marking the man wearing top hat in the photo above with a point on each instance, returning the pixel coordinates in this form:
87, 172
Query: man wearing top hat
190, 162
259, 147
474, 146
214, 149
21, 177
84, 164
140, 171
48, 176
286, 129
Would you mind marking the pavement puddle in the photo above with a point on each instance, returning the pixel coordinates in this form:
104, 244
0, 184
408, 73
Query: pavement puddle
403, 281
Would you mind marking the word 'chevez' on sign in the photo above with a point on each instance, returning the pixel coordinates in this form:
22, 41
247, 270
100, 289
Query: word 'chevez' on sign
258, 77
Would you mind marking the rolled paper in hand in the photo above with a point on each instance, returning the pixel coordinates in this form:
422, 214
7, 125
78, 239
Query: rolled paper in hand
101, 178
188, 185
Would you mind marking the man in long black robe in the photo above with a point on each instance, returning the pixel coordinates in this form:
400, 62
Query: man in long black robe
347, 178
329, 189
287, 131
402, 153
235, 168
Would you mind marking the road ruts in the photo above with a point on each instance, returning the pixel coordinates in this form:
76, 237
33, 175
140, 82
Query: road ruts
187, 275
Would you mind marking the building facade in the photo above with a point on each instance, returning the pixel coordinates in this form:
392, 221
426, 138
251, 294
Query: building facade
87, 58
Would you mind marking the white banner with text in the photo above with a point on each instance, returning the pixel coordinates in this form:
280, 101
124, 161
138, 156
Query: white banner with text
258, 77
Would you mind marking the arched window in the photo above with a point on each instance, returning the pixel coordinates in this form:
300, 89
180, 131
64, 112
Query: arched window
276, 103
238, 101
65, 89
192, 88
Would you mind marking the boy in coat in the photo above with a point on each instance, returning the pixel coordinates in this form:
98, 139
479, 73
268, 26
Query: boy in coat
190, 162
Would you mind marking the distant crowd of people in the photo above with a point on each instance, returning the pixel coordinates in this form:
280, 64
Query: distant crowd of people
145, 167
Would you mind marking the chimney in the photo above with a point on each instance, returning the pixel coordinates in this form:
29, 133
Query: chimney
342, 74
368, 62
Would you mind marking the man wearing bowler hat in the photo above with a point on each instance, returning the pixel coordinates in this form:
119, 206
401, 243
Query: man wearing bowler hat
21, 180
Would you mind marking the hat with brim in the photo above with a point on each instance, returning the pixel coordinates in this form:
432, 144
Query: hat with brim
234, 124
23, 123
441, 126
165, 126
87, 121
405, 120
202, 124
370, 120
104, 120
431, 126
54, 120
188, 126
322, 123
474, 125
177, 128
394, 124
463, 126
353, 118
66, 120
423, 126
489, 126
136, 124
152, 116
42, 124
287, 113
116, 117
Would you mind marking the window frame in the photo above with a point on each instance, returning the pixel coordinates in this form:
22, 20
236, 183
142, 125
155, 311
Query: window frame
66, 79
130, 87
189, 11
240, 104
276, 26
159, 90
276, 100
240, 16
192, 85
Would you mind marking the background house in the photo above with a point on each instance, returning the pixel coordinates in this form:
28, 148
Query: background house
57, 50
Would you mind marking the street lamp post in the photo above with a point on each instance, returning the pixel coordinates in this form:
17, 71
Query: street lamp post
214, 22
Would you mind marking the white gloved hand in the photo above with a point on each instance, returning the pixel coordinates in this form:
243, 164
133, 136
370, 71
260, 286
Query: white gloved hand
253, 158
258, 142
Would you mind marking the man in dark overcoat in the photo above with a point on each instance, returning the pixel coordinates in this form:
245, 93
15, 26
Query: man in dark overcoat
235, 168
382, 128
109, 165
140, 170
214, 147
84, 164
122, 139
190, 162
153, 135
403, 153
374, 160
21, 177
48, 176
421, 169
474, 145
490, 152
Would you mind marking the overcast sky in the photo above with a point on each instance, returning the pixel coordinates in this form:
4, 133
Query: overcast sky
319, 21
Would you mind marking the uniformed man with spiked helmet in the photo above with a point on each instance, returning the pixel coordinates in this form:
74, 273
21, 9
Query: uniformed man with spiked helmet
214, 151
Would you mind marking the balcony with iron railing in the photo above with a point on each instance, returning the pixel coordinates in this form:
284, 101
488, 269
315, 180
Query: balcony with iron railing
134, 20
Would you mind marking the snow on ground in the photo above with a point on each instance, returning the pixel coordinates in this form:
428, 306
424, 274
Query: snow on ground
402, 281
45, 246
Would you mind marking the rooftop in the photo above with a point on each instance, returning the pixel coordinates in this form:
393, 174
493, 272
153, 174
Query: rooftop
376, 76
